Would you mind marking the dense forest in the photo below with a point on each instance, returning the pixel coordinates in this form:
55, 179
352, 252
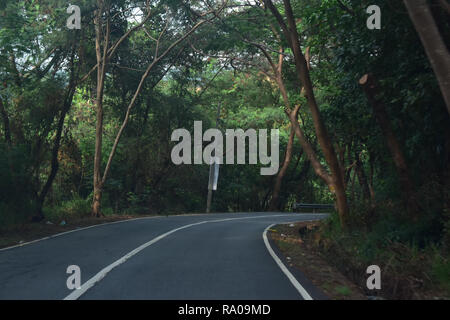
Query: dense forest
87, 112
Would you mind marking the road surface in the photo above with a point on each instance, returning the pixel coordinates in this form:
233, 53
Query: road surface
207, 257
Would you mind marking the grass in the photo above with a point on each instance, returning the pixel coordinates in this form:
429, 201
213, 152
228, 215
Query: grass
343, 290
441, 272
301, 256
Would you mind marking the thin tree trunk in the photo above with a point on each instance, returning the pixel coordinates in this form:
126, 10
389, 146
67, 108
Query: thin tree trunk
434, 45
67, 103
275, 201
371, 90
293, 113
101, 70
57, 143
370, 182
55, 164
362, 178
307, 148
353, 185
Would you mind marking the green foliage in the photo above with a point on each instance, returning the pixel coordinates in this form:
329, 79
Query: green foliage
407, 253
73, 209
343, 290
441, 271
16, 196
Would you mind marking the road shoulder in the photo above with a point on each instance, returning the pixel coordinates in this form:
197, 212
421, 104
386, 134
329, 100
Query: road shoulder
312, 271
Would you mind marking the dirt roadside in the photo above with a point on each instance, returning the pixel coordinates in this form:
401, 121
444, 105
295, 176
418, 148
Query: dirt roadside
302, 256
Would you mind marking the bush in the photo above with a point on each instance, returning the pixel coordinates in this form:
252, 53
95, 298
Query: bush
17, 193
409, 253
71, 209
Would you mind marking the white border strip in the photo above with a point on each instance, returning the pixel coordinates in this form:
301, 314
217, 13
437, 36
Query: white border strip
74, 230
100, 275
283, 268
97, 225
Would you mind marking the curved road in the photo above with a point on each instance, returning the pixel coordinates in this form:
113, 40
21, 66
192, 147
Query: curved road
208, 257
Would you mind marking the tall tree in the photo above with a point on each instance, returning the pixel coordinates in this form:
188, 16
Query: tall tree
46, 62
289, 29
103, 33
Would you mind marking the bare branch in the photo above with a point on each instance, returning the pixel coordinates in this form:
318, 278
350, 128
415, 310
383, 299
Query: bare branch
138, 91
346, 8
113, 48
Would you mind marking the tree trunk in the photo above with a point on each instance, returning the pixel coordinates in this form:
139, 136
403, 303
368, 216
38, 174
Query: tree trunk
67, 104
362, 178
370, 179
371, 90
55, 151
341, 161
101, 70
435, 48
275, 201
307, 148
320, 171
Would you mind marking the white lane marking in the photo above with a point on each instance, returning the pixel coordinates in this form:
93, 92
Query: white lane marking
283, 268
96, 225
74, 230
100, 275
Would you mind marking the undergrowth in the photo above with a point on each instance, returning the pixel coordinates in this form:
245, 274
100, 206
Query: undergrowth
412, 256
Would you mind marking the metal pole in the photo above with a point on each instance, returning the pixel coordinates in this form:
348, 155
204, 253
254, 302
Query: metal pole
208, 202
211, 171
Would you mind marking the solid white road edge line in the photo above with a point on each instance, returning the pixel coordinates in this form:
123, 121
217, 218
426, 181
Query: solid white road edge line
283, 268
100, 275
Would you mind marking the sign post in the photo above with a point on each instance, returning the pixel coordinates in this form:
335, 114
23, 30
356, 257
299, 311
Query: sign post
213, 172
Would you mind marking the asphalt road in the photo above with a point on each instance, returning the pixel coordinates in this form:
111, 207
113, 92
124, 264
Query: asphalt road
208, 257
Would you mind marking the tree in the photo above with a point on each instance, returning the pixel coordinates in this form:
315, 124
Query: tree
35, 59
102, 43
292, 37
